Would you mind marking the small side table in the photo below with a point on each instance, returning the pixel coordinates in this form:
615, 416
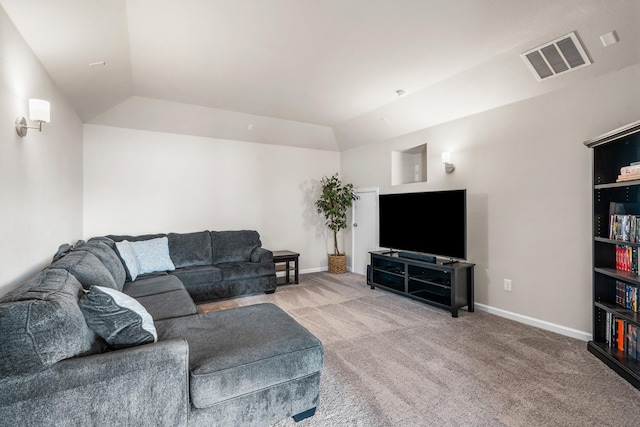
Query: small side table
287, 257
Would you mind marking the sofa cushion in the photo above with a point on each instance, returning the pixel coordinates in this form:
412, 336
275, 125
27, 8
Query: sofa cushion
87, 268
190, 249
129, 260
41, 324
245, 270
152, 285
119, 319
153, 255
169, 304
241, 350
198, 275
103, 249
232, 246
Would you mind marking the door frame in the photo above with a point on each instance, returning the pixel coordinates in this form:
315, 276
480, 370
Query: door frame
375, 190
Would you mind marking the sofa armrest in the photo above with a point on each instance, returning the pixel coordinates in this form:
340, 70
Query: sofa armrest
261, 254
142, 386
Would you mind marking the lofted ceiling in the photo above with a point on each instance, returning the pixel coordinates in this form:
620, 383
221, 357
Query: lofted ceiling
310, 73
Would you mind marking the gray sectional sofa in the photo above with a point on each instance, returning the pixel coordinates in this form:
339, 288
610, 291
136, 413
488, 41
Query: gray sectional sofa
78, 348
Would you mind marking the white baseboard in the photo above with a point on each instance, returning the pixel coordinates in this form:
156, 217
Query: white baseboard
305, 271
542, 324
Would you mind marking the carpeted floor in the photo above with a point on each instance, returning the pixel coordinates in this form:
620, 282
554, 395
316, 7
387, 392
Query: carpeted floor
391, 361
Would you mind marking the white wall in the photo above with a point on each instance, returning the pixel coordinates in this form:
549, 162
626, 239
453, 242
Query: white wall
528, 177
40, 174
139, 182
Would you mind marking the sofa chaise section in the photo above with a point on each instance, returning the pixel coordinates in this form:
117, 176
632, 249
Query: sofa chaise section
249, 366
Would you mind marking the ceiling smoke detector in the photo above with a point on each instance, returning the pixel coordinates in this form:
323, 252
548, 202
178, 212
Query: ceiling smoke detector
559, 56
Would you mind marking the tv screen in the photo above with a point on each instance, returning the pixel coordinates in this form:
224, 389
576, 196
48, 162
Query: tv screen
433, 222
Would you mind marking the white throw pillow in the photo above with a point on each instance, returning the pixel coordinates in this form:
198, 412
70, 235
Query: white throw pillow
153, 255
129, 257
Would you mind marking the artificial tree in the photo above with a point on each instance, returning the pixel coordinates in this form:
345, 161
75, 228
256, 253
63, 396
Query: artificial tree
335, 200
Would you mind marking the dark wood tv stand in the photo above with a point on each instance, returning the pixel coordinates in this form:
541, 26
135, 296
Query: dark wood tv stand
445, 285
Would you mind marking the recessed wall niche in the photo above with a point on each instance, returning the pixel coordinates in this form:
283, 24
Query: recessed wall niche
409, 166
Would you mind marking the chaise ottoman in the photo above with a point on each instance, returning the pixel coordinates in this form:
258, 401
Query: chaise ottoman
248, 363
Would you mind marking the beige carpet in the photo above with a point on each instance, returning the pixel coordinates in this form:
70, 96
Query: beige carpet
391, 361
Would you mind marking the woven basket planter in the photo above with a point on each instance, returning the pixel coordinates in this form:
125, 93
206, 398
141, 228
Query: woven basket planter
337, 264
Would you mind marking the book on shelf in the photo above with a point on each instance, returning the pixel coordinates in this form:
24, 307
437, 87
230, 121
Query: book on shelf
628, 177
619, 333
622, 335
624, 227
630, 172
627, 258
627, 296
632, 341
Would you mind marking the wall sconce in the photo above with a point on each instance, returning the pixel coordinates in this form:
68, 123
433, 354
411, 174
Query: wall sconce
446, 160
39, 111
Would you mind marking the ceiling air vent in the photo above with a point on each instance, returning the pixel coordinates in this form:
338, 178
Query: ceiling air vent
556, 57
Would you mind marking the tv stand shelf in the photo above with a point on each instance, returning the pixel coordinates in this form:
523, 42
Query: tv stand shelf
445, 285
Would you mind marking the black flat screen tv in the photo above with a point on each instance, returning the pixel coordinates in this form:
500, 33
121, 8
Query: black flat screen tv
433, 223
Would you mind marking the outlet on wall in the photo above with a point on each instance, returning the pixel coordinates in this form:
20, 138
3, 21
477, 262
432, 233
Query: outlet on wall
507, 285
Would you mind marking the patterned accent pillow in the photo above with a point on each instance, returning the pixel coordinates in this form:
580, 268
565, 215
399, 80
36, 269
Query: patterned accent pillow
119, 319
125, 250
153, 255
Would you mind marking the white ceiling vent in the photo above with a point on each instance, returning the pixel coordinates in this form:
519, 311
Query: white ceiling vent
556, 57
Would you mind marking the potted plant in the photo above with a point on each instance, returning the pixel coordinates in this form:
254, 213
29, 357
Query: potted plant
333, 203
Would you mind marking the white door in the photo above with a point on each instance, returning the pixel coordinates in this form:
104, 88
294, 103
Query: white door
365, 228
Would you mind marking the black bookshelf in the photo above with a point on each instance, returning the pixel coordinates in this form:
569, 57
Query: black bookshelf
611, 152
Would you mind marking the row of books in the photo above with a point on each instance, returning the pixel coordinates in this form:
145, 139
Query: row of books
627, 258
629, 173
622, 335
624, 227
627, 296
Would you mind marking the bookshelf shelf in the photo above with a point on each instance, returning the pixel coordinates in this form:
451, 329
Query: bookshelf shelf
446, 286
616, 284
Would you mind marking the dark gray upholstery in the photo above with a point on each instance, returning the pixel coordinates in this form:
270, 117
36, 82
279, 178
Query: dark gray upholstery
168, 304
153, 285
231, 288
263, 407
239, 270
121, 237
200, 275
87, 269
231, 246
235, 352
137, 386
261, 255
41, 324
103, 249
190, 249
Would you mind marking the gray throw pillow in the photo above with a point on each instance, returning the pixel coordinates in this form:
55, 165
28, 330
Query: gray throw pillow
87, 268
41, 324
119, 319
103, 249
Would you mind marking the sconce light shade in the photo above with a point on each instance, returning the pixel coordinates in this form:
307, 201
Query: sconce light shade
39, 112
446, 160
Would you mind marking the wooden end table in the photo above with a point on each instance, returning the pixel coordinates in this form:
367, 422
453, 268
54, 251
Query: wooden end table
287, 257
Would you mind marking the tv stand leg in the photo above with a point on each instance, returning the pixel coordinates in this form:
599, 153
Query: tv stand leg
454, 312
